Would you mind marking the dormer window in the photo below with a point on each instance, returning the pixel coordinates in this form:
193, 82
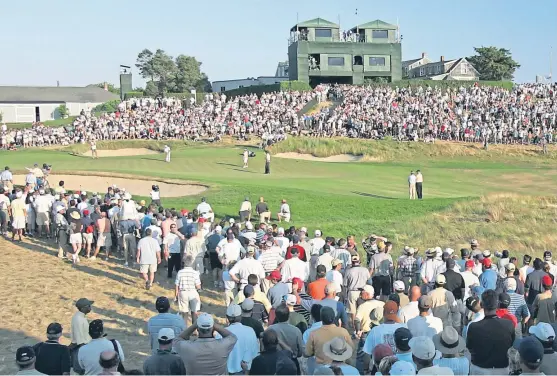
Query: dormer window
380, 34
323, 33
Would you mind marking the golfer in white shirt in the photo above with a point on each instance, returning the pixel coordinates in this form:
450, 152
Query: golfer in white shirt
412, 185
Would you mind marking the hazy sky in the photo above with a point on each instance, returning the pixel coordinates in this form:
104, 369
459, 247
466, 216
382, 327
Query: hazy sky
84, 42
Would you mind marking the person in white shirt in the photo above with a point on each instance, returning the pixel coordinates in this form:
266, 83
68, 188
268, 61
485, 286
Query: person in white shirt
129, 208
167, 152
316, 243
410, 310
470, 279
412, 185
425, 324
245, 155
43, 205
229, 249
148, 257
282, 241
88, 355
205, 210
295, 268
172, 248
267, 162
6, 178
326, 258
284, 213
525, 269
247, 344
245, 210
187, 283
94, 149
246, 266
156, 231
155, 196
334, 275
249, 233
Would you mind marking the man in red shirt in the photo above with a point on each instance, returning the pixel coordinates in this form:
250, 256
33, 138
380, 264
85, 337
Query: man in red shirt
503, 312
316, 289
301, 250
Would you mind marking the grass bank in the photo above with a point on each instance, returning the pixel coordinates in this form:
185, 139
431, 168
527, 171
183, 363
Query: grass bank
389, 150
48, 123
521, 224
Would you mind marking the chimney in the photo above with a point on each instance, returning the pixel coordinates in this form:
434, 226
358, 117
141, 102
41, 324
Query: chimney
423, 55
442, 58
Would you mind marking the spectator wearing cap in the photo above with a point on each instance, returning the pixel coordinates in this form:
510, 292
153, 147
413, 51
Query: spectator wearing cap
295, 318
381, 270
543, 308
354, 281
464, 256
331, 300
489, 339
247, 344
246, 267
295, 268
534, 282
79, 329
316, 289
283, 242
205, 355
503, 311
297, 285
384, 333
488, 278
451, 347
503, 261
454, 280
271, 259
423, 354
470, 279
531, 353
335, 276
254, 292
526, 268
326, 259
164, 319
319, 337
547, 257
402, 338
444, 304
402, 367
340, 252
187, 283
410, 310
399, 288
316, 323
430, 268
289, 336
52, 358
380, 352
407, 268
89, 354
475, 313
511, 273
252, 319
545, 333
517, 306
302, 255
339, 350
25, 359
277, 290
245, 210
426, 324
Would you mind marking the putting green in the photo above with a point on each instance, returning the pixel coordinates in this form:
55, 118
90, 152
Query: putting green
339, 198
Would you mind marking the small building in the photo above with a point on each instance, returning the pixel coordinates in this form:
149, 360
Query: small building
320, 53
26, 104
425, 69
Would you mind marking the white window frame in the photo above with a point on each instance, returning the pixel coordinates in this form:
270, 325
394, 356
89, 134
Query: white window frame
222, 88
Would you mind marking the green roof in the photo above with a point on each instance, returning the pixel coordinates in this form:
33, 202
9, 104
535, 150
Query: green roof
316, 22
377, 24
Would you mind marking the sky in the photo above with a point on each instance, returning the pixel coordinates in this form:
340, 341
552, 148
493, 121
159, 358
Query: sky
83, 42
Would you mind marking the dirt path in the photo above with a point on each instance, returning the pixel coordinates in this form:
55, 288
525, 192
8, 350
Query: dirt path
100, 183
309, 157
38, 288
121, 152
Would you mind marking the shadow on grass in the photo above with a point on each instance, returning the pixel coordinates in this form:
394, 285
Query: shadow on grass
228, 164
373, 196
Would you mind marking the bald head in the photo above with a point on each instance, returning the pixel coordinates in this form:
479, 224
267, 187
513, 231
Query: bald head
109, 360
415, 294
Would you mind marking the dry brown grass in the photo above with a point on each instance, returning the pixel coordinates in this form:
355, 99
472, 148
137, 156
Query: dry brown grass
38, 288
522, 224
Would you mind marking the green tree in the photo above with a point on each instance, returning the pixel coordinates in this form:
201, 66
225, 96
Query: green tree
494, 64
151, 89
145, 64
63, 111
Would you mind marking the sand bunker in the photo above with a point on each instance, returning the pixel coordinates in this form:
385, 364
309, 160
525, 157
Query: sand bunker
333, 158
136, 186
121, 152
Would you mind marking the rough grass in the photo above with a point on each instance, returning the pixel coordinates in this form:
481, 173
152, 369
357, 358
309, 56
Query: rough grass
389, 150
521, 224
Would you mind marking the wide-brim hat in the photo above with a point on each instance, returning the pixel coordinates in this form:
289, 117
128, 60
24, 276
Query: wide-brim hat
75, 215
337, 349
448, 341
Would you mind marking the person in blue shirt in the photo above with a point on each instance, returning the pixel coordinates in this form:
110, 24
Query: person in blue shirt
488, 278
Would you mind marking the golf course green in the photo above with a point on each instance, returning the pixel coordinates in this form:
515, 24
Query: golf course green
505, 199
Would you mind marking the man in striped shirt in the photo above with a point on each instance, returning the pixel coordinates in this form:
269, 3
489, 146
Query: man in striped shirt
187, 283
517, 306
270, 260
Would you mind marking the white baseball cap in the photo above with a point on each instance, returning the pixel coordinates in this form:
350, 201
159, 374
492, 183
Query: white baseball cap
304, 229
422, 347
510, 284
369, 289
317, 232
234, 310
166, 334
290, 299
280, 230
231, 220
543, 331
441, 279
218, 229
402, 367
398, 285
83, 193
205, 321
449, 251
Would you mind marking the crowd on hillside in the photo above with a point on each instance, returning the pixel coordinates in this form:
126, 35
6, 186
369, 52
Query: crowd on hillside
297, 301
525, 114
